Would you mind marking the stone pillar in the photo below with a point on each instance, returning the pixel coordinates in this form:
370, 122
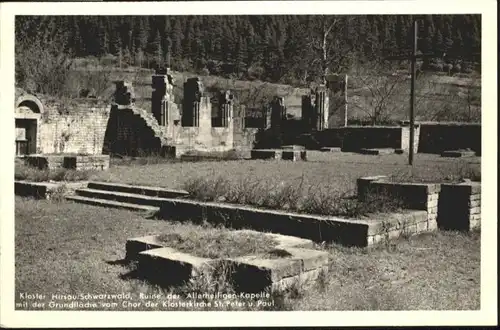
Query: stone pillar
195, 114
158, 98
162, 94
124, 93
193, 92
307, 111
266, 116
337, 92
278, 111
321, 108
226, 108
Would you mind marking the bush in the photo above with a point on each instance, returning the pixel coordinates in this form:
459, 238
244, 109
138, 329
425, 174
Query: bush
255, 72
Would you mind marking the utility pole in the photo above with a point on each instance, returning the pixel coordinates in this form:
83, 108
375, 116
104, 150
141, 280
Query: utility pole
412, 95
413, 71
413, 59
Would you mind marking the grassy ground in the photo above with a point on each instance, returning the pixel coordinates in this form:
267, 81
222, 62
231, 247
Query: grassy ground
213, 243
29, 173
337, 171
67, 248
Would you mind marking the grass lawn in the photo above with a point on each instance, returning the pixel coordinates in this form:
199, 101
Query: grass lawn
335, 171
68, 248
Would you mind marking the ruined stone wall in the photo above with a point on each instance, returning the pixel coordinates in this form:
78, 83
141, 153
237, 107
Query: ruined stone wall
78, 127
128, 133
439, 137
353, 138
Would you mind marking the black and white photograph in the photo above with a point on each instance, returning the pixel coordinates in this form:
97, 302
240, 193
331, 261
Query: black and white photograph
221, 157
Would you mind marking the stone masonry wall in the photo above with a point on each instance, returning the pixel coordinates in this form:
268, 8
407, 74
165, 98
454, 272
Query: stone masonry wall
439, 137
460, 206
416, 196
353, 138
78, 128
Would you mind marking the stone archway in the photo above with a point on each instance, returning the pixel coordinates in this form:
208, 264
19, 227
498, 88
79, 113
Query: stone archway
28, 113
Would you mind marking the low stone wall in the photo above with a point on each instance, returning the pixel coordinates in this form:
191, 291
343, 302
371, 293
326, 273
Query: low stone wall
45, 190
460, 206
439, 137
354, 138
50, 162
295, 261
266, 154
350, 232
279, 154
91, 162
416, 196
76, 162
454, 206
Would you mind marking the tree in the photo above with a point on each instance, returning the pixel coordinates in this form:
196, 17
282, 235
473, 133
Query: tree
331, 50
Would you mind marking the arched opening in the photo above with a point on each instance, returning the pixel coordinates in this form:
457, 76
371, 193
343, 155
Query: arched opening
30, 104
28, 113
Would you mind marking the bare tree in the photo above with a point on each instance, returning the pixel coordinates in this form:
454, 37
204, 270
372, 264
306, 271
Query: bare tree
331, 49
381, 94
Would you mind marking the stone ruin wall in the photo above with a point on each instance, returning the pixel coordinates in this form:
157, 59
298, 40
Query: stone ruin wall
76, 126
87, 126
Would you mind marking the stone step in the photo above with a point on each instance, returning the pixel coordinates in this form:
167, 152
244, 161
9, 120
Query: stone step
112, 204
121, 197
376, 151
140, 190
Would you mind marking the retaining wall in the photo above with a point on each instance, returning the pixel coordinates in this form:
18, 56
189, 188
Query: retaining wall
455, 206
460, 206
318, 228
439, 137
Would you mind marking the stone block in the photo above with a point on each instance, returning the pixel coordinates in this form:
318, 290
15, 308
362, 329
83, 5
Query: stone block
475, 210
474, 217
293, 147
458, 153
475, 197
294, 155
422, 226
432, 204
410, 230
432, 216
433, 210
266, 154
252, 273
311, 259
167, 266
331, 149
136, 245
303, 280
432, 197
476, 203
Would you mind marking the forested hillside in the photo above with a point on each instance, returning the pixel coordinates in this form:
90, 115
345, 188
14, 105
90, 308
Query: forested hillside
290, 49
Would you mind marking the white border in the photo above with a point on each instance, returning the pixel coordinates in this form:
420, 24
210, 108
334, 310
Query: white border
486, 316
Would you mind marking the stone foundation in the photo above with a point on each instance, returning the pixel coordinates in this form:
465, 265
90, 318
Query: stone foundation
45, 190
296, 263
460, 206
453, 206
76, 162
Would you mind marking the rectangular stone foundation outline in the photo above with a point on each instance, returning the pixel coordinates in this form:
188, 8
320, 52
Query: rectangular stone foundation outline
252, 273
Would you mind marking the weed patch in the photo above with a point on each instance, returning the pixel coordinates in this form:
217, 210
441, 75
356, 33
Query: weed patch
215, 243
298, 197
28, 173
